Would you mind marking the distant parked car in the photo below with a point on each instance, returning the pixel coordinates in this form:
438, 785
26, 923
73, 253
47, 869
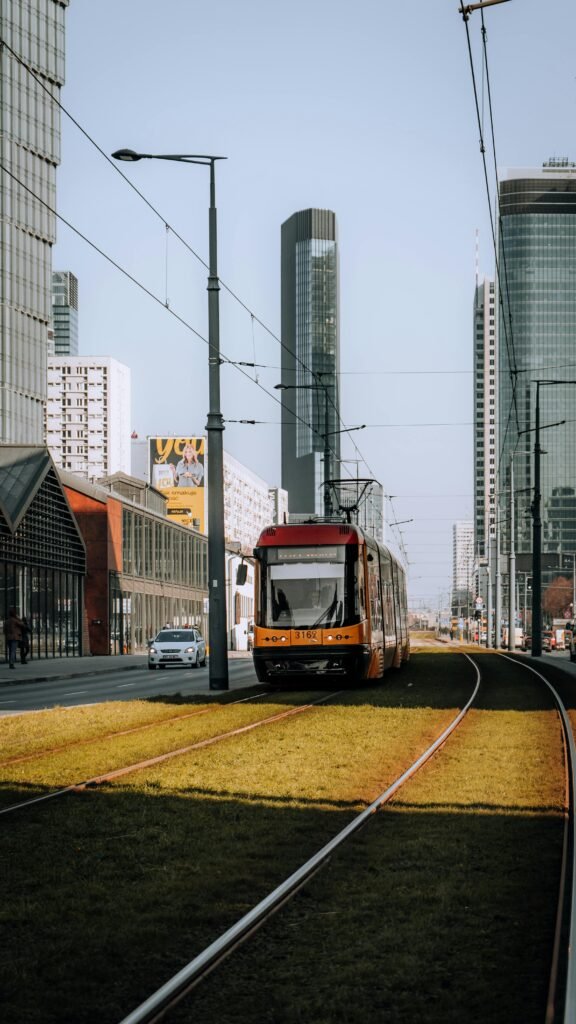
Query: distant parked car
526, 642
177, 647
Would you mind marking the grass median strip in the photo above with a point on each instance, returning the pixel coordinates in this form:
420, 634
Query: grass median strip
152, 868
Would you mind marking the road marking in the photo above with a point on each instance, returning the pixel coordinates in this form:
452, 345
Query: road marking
124, 686
74, 693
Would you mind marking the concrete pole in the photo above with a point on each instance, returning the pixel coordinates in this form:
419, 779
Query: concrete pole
512, 566
218, 661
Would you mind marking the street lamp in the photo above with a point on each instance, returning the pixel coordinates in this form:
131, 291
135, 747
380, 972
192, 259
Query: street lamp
218, 662
537, 522
324, 388
512, 560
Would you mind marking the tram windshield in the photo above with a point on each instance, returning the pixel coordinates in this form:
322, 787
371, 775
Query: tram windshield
305, 588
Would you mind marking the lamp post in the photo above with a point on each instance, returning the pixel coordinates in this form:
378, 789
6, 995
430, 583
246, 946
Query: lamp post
537, 522
512, 560
326, 433
497, 583
218, 662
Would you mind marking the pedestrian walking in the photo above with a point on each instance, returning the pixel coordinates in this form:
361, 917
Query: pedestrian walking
13, 634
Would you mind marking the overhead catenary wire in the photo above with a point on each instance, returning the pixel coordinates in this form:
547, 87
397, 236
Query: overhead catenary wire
509, 339
150, 205
147, 291
508, 323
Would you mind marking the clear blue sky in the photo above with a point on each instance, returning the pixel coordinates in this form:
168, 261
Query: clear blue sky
365, 108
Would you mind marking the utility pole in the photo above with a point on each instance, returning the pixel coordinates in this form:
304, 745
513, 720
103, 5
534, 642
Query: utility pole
512, 567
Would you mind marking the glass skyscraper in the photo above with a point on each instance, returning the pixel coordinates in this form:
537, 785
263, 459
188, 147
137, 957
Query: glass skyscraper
310, 357
63, 339
30, 141
537, 341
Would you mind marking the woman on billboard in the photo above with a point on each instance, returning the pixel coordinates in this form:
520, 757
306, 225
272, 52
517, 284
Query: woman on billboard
189, 472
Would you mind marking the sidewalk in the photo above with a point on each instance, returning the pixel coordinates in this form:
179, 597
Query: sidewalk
41, 670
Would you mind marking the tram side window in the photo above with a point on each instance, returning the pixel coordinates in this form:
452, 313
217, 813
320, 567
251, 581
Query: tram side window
375, 595
359, 591
388, 601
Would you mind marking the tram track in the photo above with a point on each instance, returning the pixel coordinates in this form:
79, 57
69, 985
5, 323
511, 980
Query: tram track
158, 1006
220, 793
119, 733
563, 954
141, 765
154, 1008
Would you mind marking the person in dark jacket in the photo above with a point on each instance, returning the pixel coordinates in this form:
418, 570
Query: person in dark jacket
13, 634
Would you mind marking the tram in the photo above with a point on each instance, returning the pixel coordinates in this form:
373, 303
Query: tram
330, 601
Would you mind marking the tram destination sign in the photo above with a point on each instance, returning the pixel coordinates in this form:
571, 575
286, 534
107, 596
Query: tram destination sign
313, 554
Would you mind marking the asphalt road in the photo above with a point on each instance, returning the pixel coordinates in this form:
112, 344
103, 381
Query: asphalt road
20, 694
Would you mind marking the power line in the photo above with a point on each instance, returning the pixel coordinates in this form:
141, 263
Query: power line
186, 245
151, 295
509, 340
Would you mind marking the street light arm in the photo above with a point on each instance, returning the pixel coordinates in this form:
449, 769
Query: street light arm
299, 387
130, 156
346, 430
545, 426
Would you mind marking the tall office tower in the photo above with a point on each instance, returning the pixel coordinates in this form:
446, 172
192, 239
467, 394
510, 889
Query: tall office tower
30, 133
462, 567
537, 341
88, 415
64, 340
310, 358
485, 406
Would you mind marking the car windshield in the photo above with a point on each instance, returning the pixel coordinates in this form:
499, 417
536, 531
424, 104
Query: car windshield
178, 636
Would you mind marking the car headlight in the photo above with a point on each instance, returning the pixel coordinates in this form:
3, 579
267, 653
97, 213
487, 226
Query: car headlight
152, 650
189, 650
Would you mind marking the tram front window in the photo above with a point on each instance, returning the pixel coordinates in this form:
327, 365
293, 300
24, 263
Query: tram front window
306, 596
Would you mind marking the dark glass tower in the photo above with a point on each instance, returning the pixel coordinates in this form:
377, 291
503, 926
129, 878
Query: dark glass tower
537, 341
64, 313
310, 357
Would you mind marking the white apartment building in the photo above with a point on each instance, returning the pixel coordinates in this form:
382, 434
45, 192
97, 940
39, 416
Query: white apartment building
462, 559
485, 407
250, 504
88, 413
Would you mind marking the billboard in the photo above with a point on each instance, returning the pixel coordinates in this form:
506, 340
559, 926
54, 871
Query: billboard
177, 469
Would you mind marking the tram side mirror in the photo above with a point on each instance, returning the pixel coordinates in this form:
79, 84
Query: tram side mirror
241, 574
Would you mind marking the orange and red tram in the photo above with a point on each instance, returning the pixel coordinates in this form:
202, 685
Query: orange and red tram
330, 601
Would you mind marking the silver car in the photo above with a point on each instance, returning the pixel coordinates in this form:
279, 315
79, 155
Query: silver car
183, 647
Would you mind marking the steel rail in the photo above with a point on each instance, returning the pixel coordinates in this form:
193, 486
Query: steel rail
567, 879
154, 1008
117, 773
37, 755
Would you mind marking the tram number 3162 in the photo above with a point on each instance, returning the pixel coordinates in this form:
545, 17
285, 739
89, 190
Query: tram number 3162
305, 634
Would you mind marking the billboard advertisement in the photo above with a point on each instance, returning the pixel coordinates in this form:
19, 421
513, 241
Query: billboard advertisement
177, 469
